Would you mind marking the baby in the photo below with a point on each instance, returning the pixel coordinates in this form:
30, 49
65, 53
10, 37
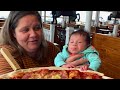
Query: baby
78, 53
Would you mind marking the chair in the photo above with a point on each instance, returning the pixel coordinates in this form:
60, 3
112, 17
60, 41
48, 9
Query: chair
69, 30
49, 31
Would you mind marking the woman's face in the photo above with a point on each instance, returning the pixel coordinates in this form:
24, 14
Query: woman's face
77, 44
28, 33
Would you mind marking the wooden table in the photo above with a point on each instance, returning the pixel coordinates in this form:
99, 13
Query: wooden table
104, 31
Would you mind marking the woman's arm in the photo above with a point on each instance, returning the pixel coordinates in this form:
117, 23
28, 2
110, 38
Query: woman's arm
78, 62
4, 66
73, 58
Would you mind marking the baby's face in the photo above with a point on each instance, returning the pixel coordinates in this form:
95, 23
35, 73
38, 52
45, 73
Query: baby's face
77, 44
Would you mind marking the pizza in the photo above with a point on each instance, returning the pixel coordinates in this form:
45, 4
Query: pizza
52, 73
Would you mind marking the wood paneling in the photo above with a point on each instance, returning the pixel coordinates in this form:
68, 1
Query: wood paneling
1, 24
109, 50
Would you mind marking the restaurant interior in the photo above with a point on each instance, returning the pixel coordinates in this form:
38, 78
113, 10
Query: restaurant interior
105, 35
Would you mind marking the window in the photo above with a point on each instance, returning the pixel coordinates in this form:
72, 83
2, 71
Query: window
103, 15
48, 16
4, 14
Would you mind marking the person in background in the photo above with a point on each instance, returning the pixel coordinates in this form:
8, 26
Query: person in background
22, 35
78, 53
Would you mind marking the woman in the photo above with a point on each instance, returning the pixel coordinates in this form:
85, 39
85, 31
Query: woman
22, 35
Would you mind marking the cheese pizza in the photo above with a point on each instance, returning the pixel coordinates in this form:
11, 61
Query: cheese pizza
52, 73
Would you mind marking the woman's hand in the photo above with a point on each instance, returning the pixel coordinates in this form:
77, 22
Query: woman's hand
68, 66
73, 58
84, 67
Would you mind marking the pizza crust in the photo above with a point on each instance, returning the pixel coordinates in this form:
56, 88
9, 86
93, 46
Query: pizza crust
57, 76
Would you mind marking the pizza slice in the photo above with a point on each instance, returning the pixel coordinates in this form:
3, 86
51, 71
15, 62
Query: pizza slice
38, 74
56, 74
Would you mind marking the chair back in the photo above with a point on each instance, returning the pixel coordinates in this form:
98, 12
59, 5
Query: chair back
49, 31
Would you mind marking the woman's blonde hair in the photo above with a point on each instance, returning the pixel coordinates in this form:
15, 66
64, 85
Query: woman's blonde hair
8, 30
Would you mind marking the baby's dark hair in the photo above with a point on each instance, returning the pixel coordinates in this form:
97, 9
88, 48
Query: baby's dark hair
84, 34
